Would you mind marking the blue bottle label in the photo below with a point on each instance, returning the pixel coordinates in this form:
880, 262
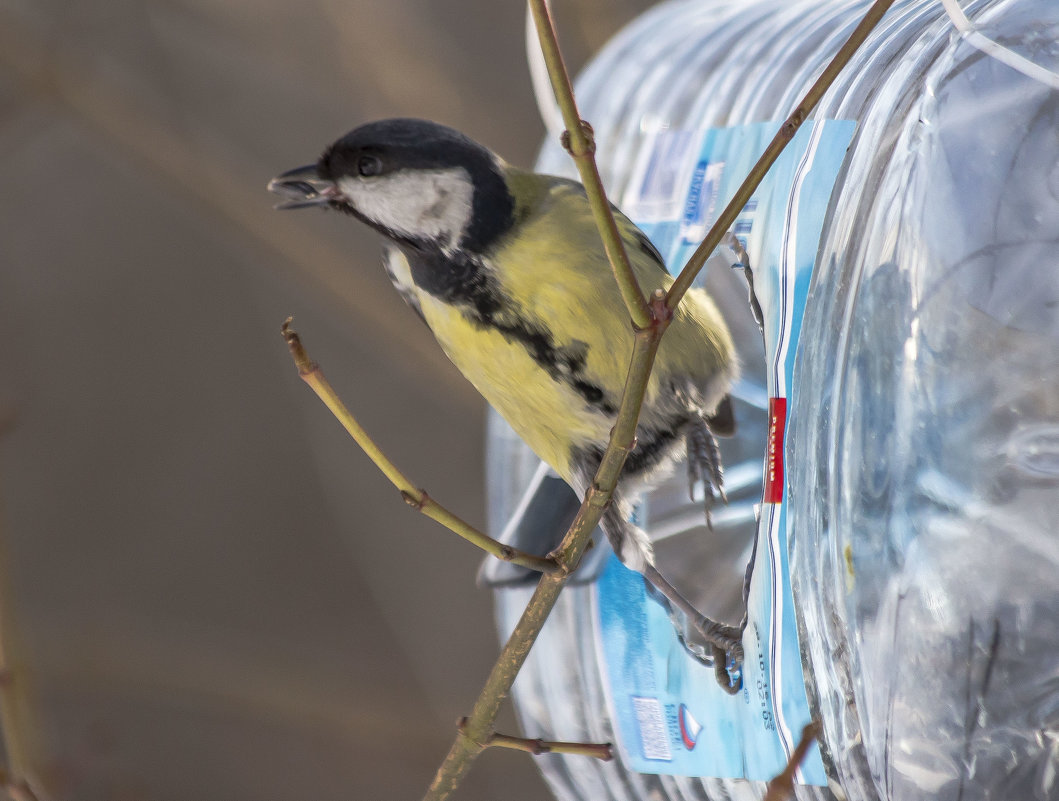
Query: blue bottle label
670, 715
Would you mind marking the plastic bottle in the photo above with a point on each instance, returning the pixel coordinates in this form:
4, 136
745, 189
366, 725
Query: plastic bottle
923, 442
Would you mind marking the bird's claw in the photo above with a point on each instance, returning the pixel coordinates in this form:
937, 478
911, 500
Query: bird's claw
726, 645
704, 466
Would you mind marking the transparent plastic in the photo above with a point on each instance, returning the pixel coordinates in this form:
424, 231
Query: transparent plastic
923, 442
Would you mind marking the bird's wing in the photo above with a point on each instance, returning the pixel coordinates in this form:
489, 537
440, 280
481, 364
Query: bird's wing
641, 250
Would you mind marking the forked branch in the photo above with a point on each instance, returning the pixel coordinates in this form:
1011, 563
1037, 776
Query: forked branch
466, 748
649, 321
579, 141
535, 746
782, 138
416, 498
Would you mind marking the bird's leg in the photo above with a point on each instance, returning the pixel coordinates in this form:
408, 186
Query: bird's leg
732, 242
704, 465
632, 546
726, 642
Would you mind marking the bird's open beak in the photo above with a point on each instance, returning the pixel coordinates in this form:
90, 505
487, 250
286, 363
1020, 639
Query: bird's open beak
303, 187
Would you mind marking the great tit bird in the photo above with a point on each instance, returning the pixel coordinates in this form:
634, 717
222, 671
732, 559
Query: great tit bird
507, 269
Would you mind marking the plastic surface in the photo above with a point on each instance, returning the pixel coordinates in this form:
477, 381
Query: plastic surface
923, 441
928, 555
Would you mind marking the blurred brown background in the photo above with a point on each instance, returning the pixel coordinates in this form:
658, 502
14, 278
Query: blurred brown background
209, 591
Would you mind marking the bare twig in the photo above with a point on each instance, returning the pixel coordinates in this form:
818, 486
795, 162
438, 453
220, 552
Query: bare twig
580, 143
779, 142
781, 788
470, 742
416, 498
601, 751
650, 322
536, 746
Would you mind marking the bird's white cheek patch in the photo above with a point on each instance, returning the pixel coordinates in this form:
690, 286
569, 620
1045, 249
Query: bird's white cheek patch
423, 204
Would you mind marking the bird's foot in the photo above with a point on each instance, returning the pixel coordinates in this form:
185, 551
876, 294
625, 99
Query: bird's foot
704, 466
726, 646
725, 642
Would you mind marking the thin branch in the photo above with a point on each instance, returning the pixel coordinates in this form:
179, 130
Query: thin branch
579, 141
537, 746
601, 751
779, 142
416, 498
650, 322
473, 737
781, 788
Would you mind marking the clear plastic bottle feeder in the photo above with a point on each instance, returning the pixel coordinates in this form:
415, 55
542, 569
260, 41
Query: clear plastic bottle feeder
921, 450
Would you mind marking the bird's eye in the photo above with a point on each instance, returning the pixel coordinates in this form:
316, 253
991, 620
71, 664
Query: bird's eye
368, 166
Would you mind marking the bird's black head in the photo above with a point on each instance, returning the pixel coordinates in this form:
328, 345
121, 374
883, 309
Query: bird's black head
417, 182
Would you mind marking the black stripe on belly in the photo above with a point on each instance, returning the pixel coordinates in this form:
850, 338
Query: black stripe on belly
464, 282
653, 446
